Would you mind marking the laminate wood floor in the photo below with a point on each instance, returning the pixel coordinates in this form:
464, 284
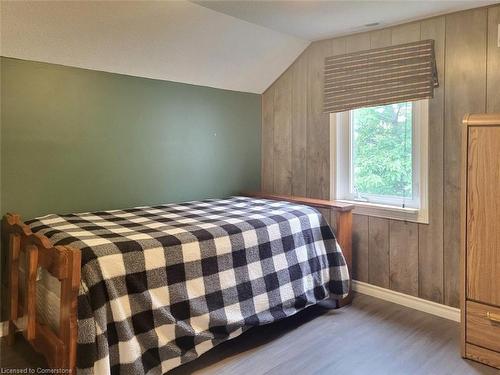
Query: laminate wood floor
371, 336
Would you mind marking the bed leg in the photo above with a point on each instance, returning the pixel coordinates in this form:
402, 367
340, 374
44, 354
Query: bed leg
14, 249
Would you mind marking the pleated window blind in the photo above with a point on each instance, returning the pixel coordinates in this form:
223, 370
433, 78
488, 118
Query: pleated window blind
401, 73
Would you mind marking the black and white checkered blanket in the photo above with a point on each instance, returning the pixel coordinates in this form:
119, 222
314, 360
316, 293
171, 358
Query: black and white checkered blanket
161, 285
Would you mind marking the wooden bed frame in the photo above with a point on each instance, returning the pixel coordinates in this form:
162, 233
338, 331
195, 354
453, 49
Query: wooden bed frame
64, 262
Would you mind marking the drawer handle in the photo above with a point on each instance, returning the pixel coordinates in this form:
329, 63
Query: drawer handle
493, 317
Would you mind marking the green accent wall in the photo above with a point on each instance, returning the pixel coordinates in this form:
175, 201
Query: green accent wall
76, 140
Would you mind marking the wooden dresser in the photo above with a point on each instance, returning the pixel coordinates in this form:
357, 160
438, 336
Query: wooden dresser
480, 238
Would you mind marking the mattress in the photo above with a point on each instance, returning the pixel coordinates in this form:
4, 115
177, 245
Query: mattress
163, 284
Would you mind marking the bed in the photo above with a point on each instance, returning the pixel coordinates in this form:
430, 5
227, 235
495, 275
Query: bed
146, 289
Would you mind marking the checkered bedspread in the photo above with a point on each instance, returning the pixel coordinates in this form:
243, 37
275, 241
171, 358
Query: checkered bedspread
161, 285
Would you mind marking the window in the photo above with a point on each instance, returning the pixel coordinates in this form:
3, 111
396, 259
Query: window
381, 159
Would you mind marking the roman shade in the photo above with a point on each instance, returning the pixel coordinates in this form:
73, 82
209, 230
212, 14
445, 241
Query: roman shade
395, 74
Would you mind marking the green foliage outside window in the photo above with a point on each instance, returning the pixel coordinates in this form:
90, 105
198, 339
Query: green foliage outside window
382, 150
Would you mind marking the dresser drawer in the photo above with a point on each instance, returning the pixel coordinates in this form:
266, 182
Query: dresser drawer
483, 325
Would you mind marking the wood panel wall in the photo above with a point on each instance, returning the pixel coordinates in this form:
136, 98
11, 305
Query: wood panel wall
416, 259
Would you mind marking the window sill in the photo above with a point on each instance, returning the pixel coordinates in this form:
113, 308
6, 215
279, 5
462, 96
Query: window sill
389, 212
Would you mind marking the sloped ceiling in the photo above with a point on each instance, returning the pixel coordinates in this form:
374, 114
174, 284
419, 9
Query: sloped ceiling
239, 45
315, 20
169, 40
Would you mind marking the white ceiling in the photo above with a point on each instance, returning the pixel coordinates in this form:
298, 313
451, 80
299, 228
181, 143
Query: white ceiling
169, 40
236, 45
315, 20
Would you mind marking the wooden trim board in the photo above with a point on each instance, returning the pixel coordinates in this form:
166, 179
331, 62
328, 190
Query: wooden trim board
443, 311
320, 203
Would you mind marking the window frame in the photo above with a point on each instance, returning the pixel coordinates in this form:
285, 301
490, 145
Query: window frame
415, 209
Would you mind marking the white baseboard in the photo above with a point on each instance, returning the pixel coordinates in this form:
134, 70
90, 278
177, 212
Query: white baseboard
416, 303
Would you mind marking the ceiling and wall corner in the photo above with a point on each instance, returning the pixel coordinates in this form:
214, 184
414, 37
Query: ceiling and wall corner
169, 40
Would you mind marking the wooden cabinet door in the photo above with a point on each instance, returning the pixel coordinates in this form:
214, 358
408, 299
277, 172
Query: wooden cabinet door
483, 214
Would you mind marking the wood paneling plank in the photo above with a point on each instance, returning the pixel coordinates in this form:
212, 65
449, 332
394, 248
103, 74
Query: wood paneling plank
299, 126
360, 247
357, 42
403, 249
430, 236
378, 257
282, 135
406, 33
318, 123
339, 46
465, 89
267, 163
381, 38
